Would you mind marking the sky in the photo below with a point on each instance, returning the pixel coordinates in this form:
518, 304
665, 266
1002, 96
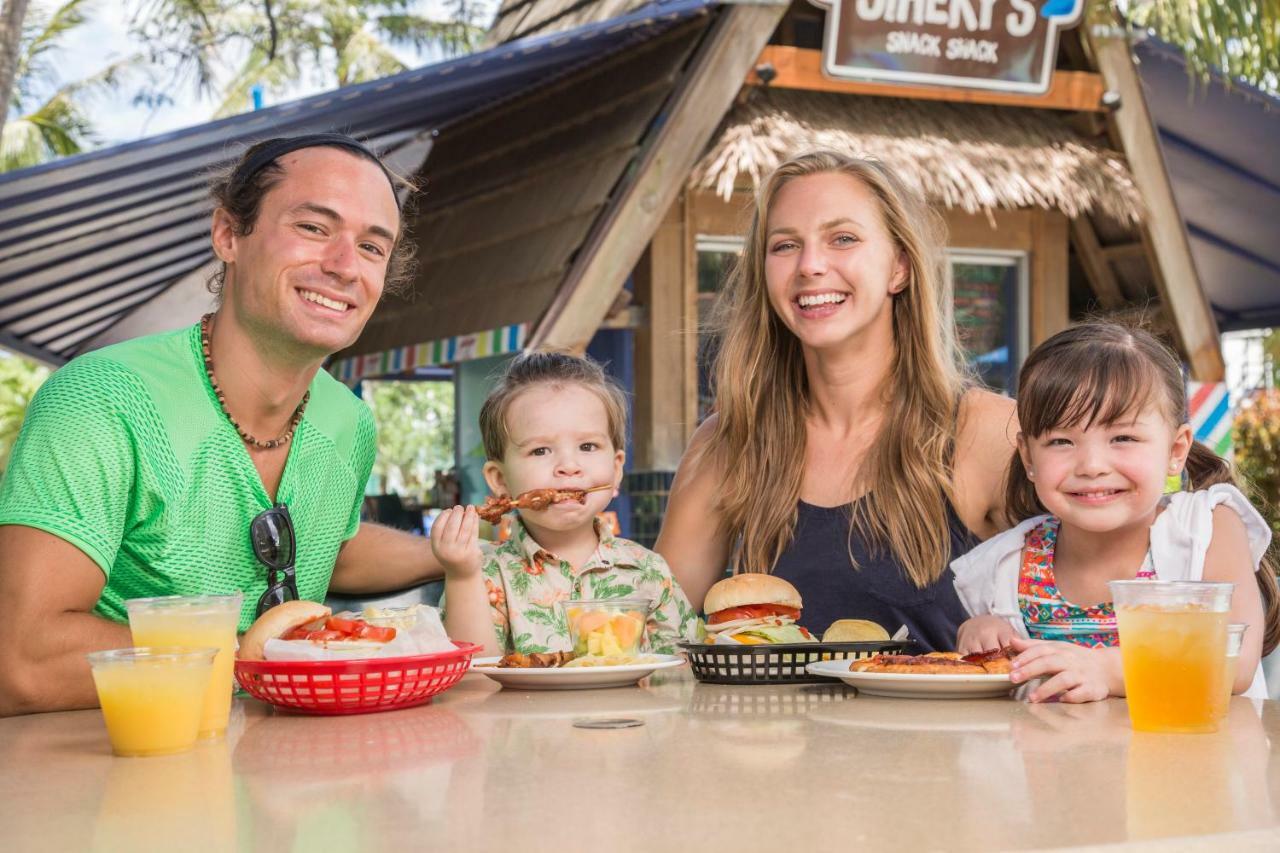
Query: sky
104, 38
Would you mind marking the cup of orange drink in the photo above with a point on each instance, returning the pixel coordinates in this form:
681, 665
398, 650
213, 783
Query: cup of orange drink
1235, 639
1173, 647
195, 621
606, 627
152, 698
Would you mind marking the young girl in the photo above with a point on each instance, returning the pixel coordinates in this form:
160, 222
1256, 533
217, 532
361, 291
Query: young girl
553, 421
1102, 413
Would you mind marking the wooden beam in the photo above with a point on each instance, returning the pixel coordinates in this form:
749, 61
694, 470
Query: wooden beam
711, 214
1102, 279
801, 68
666, 347
631, 317
622, 233
1175, 269
1008, 230
1050, 279
1123, 251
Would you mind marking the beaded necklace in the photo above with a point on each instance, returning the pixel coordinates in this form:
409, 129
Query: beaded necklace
206, 323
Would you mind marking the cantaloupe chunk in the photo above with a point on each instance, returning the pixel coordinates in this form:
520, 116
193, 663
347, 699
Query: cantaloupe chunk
627, 629
592, 620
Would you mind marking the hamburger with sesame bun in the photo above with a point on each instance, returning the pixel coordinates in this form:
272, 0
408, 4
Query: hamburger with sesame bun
753, 609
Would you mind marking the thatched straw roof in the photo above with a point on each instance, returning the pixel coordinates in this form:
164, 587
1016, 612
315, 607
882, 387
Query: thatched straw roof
968, 156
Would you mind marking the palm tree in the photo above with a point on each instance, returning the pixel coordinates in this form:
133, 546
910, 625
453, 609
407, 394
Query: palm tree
280, 42
12, 14
1240, 37
45, 127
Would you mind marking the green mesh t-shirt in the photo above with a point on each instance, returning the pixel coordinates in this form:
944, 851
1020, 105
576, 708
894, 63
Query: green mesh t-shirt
126, 454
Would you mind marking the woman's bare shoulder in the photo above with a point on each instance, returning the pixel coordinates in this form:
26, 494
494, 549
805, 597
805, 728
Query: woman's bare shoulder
987, 417
698, 459
986, 437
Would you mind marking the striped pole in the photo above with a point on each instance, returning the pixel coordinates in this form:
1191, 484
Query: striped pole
1211, 415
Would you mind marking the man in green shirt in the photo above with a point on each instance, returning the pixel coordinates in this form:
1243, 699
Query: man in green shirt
141, 467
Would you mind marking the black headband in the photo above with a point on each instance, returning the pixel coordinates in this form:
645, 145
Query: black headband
279, 147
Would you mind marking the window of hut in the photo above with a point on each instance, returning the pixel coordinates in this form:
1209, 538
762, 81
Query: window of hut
991, 313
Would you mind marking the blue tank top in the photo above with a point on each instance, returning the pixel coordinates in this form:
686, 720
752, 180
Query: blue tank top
817, 563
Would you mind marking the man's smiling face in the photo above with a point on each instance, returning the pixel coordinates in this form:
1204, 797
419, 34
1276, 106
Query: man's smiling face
312, 269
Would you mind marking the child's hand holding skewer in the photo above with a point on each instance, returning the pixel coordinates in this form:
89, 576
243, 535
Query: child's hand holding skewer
455, 540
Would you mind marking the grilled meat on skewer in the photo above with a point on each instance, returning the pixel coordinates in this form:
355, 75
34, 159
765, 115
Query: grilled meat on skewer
536, 499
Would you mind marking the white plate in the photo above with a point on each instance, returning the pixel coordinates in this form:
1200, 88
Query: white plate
903, 686
574, 677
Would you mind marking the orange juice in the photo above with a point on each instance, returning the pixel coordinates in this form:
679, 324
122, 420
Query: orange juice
205, 621
152, 698
1174, 660
1235, 640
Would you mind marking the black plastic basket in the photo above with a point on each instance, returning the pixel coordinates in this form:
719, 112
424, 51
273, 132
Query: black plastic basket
782, 663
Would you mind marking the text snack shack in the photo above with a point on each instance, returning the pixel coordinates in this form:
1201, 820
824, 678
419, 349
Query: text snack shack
990, 44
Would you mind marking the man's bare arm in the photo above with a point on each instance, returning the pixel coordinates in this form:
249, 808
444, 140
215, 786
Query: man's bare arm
383, 559
49, 587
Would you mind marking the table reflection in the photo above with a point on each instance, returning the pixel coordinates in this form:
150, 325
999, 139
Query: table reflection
359, 780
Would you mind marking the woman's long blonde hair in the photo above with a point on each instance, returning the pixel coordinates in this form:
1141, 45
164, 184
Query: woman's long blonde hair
762, 394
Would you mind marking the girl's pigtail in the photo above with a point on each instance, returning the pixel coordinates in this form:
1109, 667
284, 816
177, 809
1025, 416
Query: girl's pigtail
1267, 586
1020, 499
1206, 468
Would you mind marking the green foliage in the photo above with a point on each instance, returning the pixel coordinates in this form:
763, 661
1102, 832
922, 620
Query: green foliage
1257, 435
1240, 37
19, 381
45, 126
227, 48
415, 434
1257, 450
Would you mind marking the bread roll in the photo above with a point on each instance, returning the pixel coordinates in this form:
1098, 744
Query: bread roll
276, 622
750, 588
855, 631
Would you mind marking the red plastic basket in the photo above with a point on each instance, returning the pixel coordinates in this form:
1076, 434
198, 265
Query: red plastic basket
354, 686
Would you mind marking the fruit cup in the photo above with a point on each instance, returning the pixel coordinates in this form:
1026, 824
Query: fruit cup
606, 627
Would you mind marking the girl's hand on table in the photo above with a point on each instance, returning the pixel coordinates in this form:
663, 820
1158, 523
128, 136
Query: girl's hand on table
455, 540
1072, 673
984, 633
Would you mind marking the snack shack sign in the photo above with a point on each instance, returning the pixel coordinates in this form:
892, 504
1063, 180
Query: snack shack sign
1007, 45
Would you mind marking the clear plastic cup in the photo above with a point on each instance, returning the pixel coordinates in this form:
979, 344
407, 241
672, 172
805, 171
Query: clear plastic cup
1173, 645
606, 627
195, 621
1235, 641
152, 698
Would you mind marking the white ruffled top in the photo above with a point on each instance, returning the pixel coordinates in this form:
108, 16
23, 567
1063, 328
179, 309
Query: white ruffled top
987, 576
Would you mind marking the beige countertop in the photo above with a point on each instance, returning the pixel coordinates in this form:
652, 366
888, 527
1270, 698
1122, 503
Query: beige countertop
793, 768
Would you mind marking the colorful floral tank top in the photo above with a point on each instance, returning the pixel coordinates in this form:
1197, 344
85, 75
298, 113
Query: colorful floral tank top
1049, 616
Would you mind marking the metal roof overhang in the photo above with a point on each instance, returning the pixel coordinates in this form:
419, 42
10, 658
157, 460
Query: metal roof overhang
86, 240
1222, 150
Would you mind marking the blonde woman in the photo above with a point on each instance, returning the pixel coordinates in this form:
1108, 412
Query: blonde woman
848, 453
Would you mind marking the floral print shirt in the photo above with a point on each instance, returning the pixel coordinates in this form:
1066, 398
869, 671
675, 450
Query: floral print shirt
526, 583
1047, 614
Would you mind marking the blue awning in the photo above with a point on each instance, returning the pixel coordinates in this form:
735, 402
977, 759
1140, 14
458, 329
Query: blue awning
1222, 149
86, 239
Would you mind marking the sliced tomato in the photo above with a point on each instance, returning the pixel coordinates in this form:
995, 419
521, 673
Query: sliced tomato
321, 636
752, 611
350, 627
377, 633
296, 634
